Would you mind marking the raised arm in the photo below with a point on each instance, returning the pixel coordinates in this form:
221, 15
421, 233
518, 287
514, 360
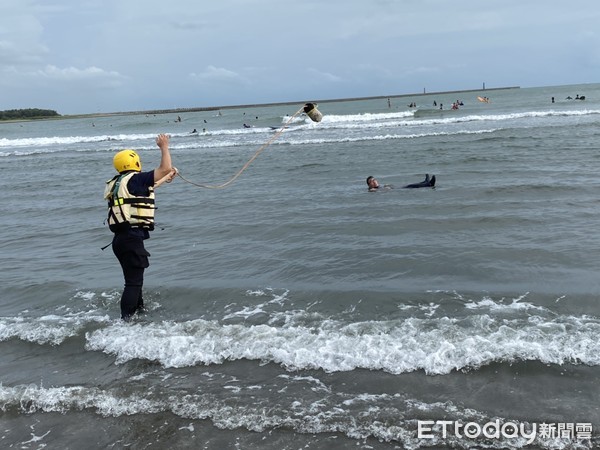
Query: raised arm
166, 167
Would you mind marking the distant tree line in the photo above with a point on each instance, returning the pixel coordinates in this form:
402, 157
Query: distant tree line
30, 113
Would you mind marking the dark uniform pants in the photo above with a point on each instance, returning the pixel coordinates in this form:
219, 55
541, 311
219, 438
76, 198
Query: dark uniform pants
133, 258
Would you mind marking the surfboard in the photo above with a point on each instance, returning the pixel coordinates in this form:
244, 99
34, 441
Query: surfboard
483, 99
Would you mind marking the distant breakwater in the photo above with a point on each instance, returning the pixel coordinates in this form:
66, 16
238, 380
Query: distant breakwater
216, 108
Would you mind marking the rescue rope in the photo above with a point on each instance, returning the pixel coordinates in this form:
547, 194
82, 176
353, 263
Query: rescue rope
245, 166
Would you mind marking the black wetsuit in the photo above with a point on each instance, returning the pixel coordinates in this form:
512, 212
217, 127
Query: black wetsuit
428, 182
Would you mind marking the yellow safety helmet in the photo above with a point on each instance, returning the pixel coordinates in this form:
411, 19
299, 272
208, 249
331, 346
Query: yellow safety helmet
127, 160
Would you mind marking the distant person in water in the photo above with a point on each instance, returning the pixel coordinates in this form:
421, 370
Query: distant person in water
374, 185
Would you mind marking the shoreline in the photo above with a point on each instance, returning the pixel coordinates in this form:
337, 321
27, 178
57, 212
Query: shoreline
254, 105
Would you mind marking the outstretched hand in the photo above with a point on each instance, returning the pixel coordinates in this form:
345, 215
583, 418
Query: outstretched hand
162, 140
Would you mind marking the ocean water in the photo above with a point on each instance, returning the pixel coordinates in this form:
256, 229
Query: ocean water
294, 309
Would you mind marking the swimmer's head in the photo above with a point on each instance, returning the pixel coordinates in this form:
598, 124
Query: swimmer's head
372, 182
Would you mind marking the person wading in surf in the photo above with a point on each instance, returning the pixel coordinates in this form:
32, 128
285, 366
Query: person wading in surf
130, 196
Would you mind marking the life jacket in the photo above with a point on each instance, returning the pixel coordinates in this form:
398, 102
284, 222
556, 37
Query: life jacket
126, 210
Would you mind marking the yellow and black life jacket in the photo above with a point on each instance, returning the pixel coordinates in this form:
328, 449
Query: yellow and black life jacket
126, 210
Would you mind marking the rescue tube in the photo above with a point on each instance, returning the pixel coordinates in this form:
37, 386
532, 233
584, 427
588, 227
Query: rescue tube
311, 111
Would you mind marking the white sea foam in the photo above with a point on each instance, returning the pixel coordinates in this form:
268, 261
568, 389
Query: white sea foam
382, 137
299, 140
358, 416
239, 136
67, 140
516, 304
366, 117
399, 119
434, 345
49, 329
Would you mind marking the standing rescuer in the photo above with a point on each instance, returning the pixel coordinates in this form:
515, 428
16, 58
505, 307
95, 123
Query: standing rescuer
131, 206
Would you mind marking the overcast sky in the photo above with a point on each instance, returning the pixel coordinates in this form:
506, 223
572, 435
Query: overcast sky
86, 56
